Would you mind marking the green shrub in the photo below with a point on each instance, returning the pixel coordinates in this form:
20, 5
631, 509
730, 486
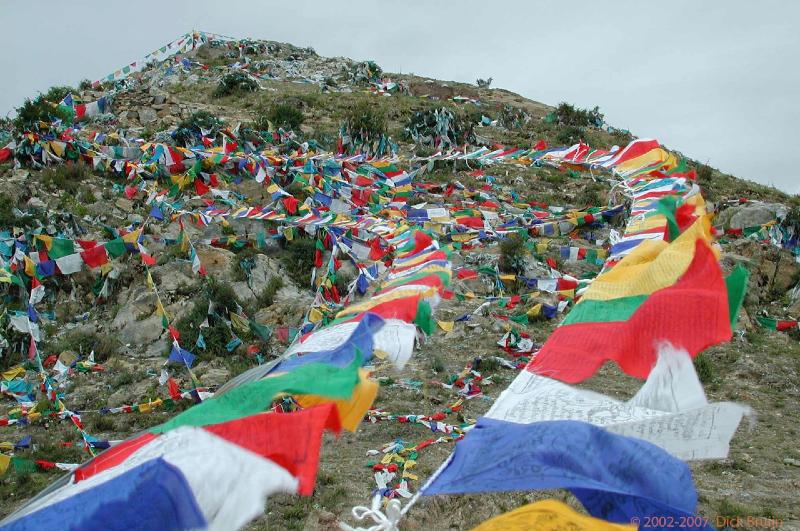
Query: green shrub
298, 260
7, 218
570, 135
267, 296
235, 83
513, 254
367, 120
436, 365
704, 367
84, 343
590, 195
43, 108
85, 84
284, 115
217, 334
569, 115
66, 177
704, 173
343, 281
194, 124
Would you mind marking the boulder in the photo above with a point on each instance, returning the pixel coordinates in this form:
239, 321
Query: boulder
126, 205
216, 261
147, 116
751, 215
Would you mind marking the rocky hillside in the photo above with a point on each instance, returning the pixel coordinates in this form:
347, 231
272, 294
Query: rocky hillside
198, 192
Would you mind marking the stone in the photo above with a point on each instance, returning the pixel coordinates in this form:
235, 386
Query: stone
126, 205
792, 462
216, 261
35, 202
147, 116
215, 376
68, 357
751, 215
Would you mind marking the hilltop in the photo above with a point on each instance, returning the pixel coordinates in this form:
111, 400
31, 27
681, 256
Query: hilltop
121, 163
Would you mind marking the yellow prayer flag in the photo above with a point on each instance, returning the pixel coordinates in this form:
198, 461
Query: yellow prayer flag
48, 240
4, 462
240, 323
315, 316
30, 267
535, 310
13, 372
447, 326
549, 515
350, 411
652, 265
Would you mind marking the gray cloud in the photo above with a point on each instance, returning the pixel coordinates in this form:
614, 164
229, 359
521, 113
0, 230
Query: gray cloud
717, 80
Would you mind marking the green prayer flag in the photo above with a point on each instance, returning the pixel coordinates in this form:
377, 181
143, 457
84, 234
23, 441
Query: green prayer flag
115, 248
521, 318
424, 318
736, 283
255, 397
263, 332
60, 248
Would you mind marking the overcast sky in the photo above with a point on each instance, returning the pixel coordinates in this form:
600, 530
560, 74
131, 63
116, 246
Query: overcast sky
716, 80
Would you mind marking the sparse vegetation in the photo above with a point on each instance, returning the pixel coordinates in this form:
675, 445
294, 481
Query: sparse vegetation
570, 135
83, 343
513, 255
299, 260
43, 108
284, 115
193, 126
705, 368
704, 173
235, 83
66, 177
366, 120
569, 115
267, 296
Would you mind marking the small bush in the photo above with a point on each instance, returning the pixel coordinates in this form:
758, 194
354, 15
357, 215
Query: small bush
343, 281
566, 114
102, 424
284, 115
85, 84
436, 364
299, 260
235, 83
705, 369
267, 296
366, 120
570, 135
513, 255
66, 177
704, 173
43, 108
217, 334
84, 343
483, 83
590, 195
193, 126
7, 218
